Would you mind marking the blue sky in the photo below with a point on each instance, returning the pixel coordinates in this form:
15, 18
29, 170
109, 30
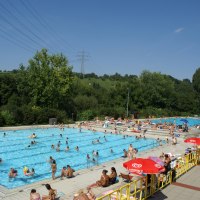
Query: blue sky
123, 36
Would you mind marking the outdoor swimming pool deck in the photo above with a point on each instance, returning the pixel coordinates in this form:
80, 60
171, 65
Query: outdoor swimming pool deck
68, 187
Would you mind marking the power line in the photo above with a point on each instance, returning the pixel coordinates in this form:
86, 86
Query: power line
15, 42
35, 15
16, 27
44, 23
29, 21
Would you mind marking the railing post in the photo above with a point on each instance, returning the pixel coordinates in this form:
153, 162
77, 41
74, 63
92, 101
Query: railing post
170, 177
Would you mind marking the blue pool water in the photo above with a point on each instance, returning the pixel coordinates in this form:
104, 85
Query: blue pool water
191, 121
15, 152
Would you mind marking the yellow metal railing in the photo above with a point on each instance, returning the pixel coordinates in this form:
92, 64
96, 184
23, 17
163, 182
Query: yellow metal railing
140, 189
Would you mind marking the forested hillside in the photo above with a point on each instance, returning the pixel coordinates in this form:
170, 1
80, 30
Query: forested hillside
47, 87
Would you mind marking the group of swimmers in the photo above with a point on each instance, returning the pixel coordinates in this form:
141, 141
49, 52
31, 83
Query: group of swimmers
27, 172
97, 141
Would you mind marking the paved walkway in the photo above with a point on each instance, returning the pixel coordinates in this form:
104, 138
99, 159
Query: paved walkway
68, 187
187, 187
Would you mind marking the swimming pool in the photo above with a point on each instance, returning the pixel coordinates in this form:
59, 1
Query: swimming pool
179, 121
15, 152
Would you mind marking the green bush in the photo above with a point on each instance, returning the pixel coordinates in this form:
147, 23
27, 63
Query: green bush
7, 117
87, 115
2, 121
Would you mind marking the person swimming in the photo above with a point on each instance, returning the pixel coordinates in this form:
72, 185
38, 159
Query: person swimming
77, 148
12, 173
33, 142
88, 157
96, 141
95, 153
67, 148
33, 135
58, 148
27, 172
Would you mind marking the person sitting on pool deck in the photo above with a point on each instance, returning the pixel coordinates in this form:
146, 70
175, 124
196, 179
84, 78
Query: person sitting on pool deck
103, 182
12, 173
69, 172
51, 195
127, 177
63, 172
174, 141
113, 176
34, 195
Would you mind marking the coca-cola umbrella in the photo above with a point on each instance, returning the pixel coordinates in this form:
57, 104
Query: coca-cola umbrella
141, 166
193, 140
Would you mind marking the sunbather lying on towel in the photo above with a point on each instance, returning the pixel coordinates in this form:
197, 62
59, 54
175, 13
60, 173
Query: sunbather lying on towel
127, 177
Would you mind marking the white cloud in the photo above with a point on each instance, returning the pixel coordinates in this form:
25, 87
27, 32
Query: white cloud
178, 30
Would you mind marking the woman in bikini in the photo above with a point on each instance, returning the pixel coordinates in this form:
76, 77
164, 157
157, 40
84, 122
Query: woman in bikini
51, 195
53, 168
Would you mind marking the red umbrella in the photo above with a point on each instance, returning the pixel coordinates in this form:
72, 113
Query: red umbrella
143, 166
193, 140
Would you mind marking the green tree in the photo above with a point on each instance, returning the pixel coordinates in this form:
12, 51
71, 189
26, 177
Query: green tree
50, 79
156, 89
196, 80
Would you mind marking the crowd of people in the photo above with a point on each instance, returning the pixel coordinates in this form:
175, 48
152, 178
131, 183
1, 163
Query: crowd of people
68, 172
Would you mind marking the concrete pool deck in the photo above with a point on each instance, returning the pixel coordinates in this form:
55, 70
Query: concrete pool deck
68, 187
